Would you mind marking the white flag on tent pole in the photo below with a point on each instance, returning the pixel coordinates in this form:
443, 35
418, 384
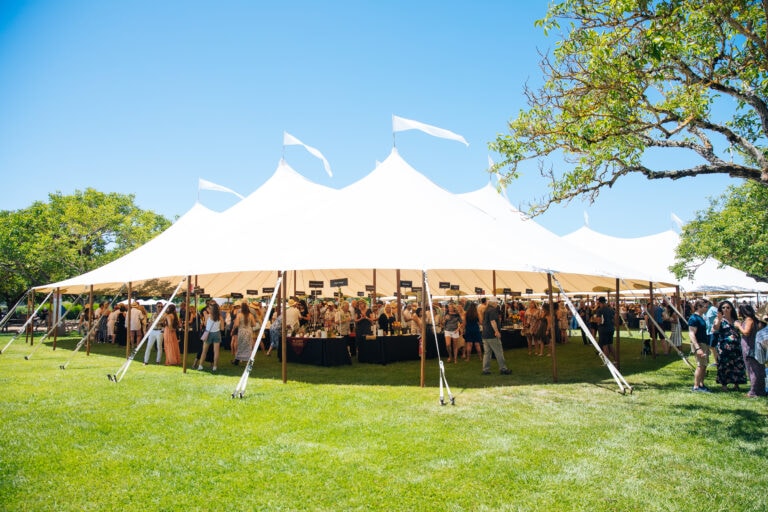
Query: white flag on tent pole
290, 140
678, 221
209, 185
400, 124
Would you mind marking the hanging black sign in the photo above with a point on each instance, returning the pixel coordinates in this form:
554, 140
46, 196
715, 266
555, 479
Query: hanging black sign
300, 292
337, 283
316, 293
265, 290
479, 291
316, 284
361, 294
514, 294
444, 285
369, 288
205, 295
236, 295
529, 291
507, 291
252, 292
416, 288
455, 287
406, 284
199, 290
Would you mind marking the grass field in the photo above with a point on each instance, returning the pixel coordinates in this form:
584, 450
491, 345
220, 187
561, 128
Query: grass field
367, 437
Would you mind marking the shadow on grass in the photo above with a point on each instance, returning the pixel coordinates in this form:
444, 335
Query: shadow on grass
575, 363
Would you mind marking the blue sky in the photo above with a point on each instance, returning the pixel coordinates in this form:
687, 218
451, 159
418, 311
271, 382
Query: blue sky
145, 97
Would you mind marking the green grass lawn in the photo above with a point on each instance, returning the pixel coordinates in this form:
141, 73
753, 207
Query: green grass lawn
367, 437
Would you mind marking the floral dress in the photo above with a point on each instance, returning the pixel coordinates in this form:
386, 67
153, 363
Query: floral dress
730, 363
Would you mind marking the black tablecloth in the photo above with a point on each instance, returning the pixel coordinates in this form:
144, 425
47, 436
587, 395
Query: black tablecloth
387, 349
318, 351
513, 338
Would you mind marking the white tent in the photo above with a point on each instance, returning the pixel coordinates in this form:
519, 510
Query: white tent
656, 253
391, 224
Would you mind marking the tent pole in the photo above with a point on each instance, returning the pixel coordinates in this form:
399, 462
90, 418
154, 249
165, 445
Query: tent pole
283, 343
399, 302
422, 341
55, 329
649, 310
616, 323
30, 308
128, 340
374, 289
90, 321
186, 325
553, 325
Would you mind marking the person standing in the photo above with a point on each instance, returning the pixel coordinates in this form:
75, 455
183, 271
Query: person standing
730, 368
364, 321
529, 319
213, 328
675, 331
170, 338
103, 319
472, 336
697, 333
292, 317
121, 333
709, 317
155, 338
492, 338
244, 323
451, 323
606, 327
747, 326
275, 331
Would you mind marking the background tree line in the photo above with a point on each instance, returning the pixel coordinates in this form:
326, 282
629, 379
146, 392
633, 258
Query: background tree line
69, 235
668, 77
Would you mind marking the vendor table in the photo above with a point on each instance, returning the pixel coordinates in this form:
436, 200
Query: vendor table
387, 349
513, 338
318, 351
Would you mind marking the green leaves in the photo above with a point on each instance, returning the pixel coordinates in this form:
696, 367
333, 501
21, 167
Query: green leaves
732, 230
69, 235
630, 75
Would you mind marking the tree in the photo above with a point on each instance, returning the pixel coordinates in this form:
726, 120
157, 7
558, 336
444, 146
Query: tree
638, 76
732, 230
69, 235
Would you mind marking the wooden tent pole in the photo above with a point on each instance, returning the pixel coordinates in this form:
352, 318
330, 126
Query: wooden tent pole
423, 342
552, 326
90, 321
128, 322
617, 325
374, 290
399, 302
186, 325
56, 328
649, 325
283, 327
30, 329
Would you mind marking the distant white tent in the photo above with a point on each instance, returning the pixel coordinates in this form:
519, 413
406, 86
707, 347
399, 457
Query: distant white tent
656, 253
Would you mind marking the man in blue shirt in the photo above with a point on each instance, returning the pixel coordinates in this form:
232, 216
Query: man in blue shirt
697, 331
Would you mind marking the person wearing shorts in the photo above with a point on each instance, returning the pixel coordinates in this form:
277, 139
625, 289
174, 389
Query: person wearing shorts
699, 337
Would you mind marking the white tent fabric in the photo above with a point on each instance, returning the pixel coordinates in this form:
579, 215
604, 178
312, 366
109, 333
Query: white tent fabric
656, 253
394, 218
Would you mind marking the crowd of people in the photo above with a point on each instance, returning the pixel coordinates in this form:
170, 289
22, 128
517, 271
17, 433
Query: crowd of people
730, 334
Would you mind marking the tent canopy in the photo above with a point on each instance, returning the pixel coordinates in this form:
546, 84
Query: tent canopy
392, 222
